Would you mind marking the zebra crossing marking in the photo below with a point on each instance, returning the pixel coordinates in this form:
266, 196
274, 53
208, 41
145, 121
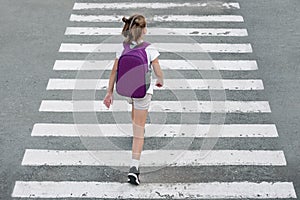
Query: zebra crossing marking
233, 65
152, 158
155, 130
159, 18
158, 106
161, 31
92, 189
162, 47
116, 190
172, 84
115, 6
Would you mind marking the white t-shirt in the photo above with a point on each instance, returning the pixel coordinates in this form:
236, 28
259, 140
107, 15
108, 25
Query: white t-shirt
152, 54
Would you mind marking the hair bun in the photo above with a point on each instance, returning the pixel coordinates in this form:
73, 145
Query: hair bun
124, 19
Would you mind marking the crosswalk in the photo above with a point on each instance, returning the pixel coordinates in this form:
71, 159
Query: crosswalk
166, 64
162, 47
160, 18
197, 18
36, 157
215, 32
91, 18
164, 106
172, 84
167, 130
120, 5
111, 190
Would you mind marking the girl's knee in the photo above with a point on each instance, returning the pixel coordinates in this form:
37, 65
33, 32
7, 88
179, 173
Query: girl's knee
140, 116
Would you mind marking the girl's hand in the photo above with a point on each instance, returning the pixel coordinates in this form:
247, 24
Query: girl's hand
108, 99
159, 82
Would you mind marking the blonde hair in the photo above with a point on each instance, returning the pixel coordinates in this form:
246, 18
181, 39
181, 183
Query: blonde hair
133, 28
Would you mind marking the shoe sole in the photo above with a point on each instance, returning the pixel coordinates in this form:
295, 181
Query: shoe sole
133, 179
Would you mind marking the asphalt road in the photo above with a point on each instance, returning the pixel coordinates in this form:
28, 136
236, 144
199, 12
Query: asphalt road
30, 35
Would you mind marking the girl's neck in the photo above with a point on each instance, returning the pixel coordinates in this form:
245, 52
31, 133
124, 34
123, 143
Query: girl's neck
138, 41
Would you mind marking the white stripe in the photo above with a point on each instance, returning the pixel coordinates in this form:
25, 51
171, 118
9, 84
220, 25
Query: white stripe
117, 190
160, 18
37, 157
155, 130
162, 47
159, 31
81, 6
197, 18
172, 84
158, 106
165, 64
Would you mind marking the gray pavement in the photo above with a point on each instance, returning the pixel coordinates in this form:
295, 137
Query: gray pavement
30, 35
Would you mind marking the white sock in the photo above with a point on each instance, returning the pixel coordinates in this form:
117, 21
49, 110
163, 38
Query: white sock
135, 163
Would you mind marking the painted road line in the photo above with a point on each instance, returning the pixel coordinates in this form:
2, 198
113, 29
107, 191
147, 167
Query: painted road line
159, 18
116, 6
198, 18
83, 65
117, 190
171, 84
152, 158
162, 47
158, 106
155, 130
160, 31
234, 65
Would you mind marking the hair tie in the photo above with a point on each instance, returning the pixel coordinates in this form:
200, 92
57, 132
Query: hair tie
124, 19
132, 20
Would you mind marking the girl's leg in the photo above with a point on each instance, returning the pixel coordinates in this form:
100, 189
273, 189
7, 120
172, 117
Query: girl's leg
139, 117
138, 125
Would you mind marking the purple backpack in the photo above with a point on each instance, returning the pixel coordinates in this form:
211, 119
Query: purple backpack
133, 74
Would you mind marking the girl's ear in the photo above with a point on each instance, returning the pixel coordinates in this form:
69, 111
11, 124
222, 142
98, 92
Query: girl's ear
144, 30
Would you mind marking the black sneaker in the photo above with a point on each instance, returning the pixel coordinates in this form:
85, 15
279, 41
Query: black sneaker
133, 176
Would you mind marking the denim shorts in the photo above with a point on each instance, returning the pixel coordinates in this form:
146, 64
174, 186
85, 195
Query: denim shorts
141, 103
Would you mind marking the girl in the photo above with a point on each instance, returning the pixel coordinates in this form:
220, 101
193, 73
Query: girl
134, 31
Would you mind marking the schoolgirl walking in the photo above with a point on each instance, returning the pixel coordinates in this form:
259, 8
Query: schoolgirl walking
131, 72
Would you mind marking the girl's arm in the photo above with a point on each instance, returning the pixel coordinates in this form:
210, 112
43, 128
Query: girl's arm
108, 99
158, 72
112, 77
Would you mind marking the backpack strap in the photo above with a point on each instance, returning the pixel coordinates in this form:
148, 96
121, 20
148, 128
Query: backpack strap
143, 45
